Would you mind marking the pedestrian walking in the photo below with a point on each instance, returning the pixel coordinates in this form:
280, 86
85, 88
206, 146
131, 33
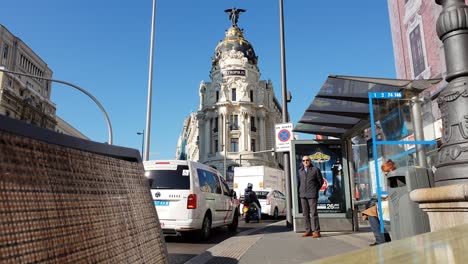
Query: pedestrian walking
310, 182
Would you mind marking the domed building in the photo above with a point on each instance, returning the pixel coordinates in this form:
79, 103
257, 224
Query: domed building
237, 112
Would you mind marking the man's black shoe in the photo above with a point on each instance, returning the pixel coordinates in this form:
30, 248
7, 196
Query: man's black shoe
374, 244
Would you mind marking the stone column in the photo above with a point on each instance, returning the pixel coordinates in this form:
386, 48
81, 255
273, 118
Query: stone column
242, 131
447, 203
220, 132
207, 138
202, 124
249, 133
261, 120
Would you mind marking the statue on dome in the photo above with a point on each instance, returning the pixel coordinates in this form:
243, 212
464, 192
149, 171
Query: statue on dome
234, 14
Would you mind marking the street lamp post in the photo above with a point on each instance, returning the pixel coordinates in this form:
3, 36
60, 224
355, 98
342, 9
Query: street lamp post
150, 85
452, 29
109, 126
251, 153
142, 140
285, 118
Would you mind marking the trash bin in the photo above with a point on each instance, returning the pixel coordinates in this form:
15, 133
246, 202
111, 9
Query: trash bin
406, 218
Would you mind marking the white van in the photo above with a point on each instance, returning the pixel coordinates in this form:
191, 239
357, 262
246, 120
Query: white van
190, 196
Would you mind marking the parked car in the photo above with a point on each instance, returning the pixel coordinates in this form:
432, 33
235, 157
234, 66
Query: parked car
273, 202
190, 196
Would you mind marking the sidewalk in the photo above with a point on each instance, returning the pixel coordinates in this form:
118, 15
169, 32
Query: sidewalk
277, 244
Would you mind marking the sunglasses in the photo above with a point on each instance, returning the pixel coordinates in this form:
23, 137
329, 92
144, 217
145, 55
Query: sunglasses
306, 160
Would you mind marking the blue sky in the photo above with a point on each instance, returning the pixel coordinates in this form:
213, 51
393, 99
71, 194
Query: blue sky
103, 46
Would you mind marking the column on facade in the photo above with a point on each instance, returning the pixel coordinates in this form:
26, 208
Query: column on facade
242, 131
208, 138
202, 124
248, 135
221, 133
262, 134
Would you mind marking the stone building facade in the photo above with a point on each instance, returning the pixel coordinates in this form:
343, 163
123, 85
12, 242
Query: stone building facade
237, 111
418, 52
23, 97
27, 98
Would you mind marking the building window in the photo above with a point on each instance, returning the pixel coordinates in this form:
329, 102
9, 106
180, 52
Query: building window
5, 51
251, 96
217, 96
252, 145
417, 52
216, 145
234, 122
10, 83
233, 95
234, 145
252, 124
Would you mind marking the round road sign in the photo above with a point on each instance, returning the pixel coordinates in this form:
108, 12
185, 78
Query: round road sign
284, 135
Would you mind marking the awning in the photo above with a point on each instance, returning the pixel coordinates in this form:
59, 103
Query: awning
342, 103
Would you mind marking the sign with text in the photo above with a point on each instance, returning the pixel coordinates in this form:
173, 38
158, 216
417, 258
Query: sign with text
283, 137
233, 73
386, 95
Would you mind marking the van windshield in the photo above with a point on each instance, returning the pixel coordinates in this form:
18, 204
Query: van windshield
170, 179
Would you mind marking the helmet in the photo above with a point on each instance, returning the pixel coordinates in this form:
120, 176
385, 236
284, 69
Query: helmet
249, 185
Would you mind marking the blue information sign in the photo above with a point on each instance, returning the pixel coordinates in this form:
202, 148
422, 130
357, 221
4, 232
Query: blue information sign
385, 95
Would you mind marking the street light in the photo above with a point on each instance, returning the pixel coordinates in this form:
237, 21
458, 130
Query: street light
109, 126
142, 140
285, 117
150, 85
262, 151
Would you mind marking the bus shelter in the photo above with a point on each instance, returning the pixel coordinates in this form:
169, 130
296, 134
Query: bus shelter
343, 110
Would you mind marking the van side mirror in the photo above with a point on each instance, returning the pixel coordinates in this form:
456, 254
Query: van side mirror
233, 194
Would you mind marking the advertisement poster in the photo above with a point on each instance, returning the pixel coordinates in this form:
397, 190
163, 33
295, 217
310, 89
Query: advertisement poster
326, 157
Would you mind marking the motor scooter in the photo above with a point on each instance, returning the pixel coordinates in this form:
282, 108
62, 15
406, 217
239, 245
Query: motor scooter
250, 213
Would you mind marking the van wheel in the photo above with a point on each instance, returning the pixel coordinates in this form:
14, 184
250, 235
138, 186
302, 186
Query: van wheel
206, 228
235, 223
276, 214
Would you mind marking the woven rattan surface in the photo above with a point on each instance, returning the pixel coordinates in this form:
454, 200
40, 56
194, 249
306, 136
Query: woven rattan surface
62, 205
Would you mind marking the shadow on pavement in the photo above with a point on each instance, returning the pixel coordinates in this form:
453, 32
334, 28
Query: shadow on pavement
178, 258
222, 260
272, 229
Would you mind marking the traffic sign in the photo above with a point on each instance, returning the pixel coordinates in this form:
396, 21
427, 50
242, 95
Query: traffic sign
283, 137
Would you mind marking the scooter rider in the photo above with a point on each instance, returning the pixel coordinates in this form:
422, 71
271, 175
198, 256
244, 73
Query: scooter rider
250, 198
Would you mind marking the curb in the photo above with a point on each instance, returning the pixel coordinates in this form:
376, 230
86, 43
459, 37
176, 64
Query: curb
233, 247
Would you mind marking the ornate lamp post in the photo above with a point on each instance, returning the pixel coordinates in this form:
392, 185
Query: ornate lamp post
447, 203
452, 29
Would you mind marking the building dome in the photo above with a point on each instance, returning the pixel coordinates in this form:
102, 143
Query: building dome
235, 41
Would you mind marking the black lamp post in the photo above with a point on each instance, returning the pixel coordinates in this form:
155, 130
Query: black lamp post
452, 29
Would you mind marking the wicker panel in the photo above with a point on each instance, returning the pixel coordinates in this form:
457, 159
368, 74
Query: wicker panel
61, 205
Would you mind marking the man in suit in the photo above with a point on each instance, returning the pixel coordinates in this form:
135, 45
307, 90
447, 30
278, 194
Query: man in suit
310, 182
